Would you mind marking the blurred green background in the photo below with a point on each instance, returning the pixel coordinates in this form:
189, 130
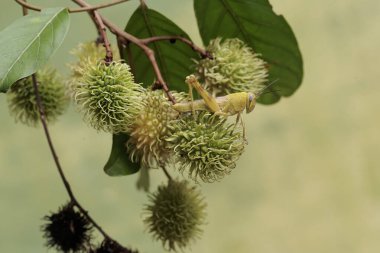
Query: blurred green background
309, 180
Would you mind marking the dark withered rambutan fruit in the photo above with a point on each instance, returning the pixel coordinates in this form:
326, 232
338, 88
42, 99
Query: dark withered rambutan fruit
67, 230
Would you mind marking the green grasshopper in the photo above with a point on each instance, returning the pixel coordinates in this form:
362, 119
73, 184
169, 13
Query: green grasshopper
228, 105
231, 104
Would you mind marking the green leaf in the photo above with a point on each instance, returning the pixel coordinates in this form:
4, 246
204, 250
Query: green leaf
118, 163
28, 43
255, 22
174, 59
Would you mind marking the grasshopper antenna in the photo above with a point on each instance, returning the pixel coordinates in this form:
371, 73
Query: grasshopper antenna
261, 91
269, 91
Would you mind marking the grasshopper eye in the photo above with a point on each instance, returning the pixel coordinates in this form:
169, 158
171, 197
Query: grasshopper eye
251, 102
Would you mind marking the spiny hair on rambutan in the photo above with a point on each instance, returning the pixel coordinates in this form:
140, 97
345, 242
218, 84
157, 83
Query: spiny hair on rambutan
22, 100
110, 246
108, 96
206, 145
147, 136
235, 67
67, 230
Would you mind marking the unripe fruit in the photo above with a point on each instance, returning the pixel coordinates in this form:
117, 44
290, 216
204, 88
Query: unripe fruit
206, 146
175, 214
22, 99
108, 96
147, 142
234, 68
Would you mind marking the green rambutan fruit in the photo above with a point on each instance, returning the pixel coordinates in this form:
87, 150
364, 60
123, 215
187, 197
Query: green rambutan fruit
108, 96
234, 68
147, 136
206, 145
175, 214
22, 101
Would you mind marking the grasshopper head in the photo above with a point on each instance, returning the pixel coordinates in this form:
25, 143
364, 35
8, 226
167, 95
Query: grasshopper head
251, 102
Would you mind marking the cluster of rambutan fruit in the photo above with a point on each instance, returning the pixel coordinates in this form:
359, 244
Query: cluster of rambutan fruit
204, 145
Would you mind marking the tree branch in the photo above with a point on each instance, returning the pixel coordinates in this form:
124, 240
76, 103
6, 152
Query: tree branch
102, 32
72, 10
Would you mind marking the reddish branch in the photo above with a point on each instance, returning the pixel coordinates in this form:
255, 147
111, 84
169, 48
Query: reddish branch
72, 10
102, 32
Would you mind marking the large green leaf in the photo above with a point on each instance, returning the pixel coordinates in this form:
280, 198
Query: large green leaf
119, 163
174, 59
255, 22
28, 43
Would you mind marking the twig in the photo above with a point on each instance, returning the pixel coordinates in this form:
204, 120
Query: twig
24, 10
72, 10
98, 21
204, 53
102, 32
166, 173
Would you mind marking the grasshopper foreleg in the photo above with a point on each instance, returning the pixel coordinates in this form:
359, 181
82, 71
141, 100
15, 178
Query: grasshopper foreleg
240, 118
192, 99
